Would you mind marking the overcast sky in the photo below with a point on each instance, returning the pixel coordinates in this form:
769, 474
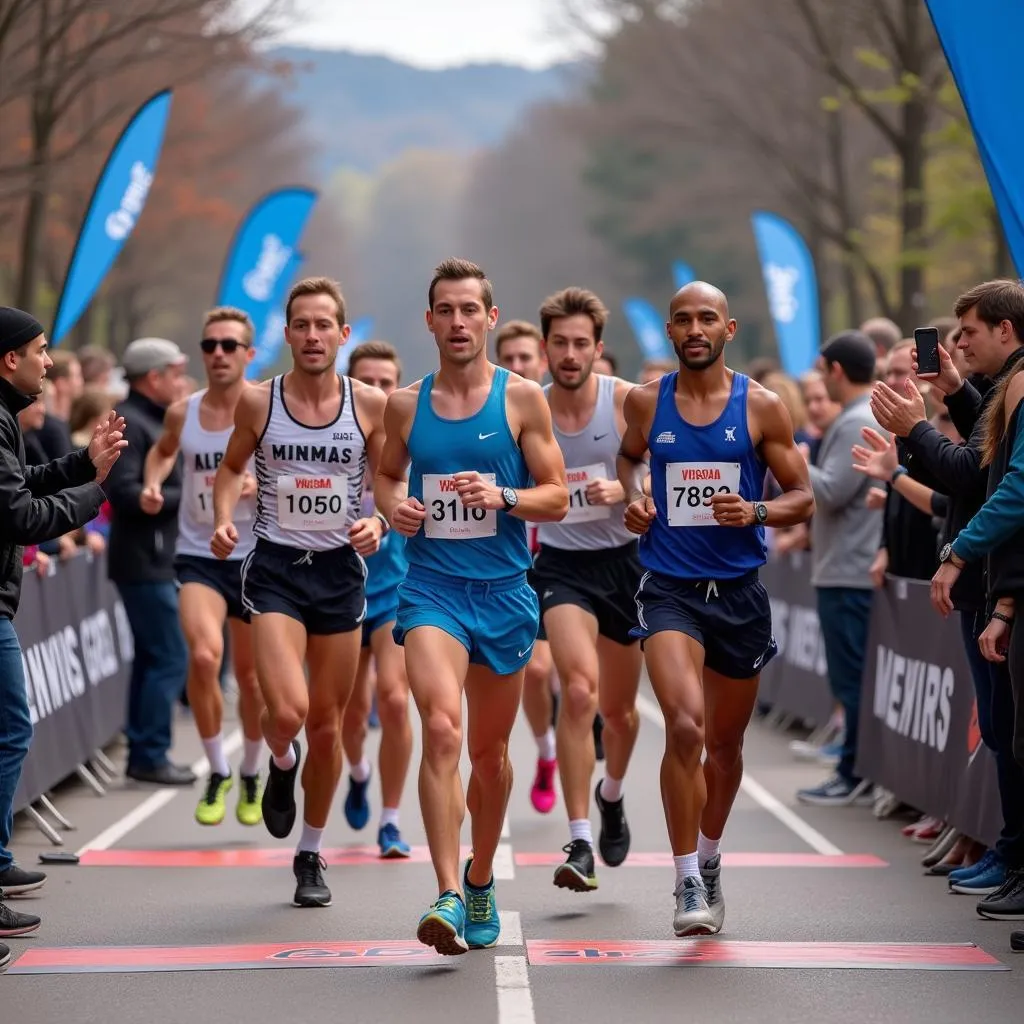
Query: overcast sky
438, 33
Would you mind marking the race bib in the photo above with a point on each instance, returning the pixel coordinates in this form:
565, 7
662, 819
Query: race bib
580, 510
447, 518
690, 486
312, 502
202, 496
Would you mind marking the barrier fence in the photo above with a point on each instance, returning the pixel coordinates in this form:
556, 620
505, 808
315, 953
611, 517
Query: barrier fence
919, 734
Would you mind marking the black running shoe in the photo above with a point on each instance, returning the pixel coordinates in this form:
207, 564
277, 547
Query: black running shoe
577, 873
15, 880
12, 923
311, 889
279, 797
1017, 942
5, 957
613, 840
599, 737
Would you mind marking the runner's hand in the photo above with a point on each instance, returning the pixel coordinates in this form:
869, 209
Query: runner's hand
640, 514
408, 517
732, 510
365, 536
476, 492
224, 540
604, 492
151, 500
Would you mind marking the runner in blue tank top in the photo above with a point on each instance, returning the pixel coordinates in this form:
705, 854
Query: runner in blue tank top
702, 616
482, 462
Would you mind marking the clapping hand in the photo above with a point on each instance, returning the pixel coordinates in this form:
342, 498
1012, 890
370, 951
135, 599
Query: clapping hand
106, 444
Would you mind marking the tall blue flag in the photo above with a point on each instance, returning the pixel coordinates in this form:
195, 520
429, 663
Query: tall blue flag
792, 288
982, 41
648, 328
117, 201
269, 336
682, 274
263, 254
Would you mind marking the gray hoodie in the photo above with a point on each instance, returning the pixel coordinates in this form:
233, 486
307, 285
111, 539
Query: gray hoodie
845, 533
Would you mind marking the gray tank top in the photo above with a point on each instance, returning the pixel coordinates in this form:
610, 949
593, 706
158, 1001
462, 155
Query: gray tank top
589, 455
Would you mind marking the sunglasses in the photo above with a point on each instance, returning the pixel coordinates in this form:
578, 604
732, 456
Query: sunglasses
228, 345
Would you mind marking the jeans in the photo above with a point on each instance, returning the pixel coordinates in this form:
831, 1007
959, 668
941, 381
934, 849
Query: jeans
158, 671
995, 720
15, 731
844, 614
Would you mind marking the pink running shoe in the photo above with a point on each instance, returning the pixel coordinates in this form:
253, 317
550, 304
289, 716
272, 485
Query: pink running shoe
542, 793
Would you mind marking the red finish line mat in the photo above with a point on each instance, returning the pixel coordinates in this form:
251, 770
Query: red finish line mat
890, 956
146, 959
354, 855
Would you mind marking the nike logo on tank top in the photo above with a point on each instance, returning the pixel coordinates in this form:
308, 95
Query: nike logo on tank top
492, 544
310, 479
689, 464
201, 453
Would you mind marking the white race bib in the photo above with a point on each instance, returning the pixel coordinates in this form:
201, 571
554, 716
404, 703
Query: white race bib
447, 518
690, 486
580, 510
202, 495
312, 502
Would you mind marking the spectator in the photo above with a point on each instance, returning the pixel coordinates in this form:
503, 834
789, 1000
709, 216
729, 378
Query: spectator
36, 504
884, 335
90, 408
97, 366
821, 409
65, 379
30, 419
607, 364
760, 366
844, 541
654, 369
141, 565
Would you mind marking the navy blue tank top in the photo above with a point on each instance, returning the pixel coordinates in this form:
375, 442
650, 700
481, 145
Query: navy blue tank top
468, 544
689, 464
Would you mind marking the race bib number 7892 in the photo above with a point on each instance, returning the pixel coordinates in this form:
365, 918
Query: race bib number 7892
690, 486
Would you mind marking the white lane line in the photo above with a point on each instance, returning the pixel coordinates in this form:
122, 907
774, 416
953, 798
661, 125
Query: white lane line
153, 803
515, 1002
506, 830
511, 928
811, 836
503, 867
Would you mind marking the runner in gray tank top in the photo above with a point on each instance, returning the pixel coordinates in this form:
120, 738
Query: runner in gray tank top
587, 574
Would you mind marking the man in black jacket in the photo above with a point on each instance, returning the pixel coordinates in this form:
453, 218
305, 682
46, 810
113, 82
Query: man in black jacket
37, 503
992, 328
140, 560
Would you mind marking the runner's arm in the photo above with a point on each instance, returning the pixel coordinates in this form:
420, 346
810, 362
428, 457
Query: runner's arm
250, 417
778, 448
390, 487
630, 464
548, 500
161, 457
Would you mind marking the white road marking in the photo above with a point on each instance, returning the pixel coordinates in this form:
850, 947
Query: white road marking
515, 1002
504, 867
506, 830
511, 928
811, 836
154, 802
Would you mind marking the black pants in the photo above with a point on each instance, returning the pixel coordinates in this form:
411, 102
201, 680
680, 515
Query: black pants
1015, 659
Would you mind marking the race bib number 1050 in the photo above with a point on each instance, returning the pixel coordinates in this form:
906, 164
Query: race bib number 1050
312, 502
690, 486
447, 518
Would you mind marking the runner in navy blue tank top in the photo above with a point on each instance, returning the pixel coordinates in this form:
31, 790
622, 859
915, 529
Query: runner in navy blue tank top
702, 616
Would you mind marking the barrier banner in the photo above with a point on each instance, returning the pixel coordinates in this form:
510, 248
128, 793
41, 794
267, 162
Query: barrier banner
918, 723
796, 680
77, 651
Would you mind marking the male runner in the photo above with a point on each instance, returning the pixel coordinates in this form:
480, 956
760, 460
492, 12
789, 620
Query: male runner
376, 364
587, 573
518, 346
473, 435
312, 432
703, 617
198, 428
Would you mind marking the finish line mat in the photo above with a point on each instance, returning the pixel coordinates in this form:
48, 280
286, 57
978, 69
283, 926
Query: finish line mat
353, 855
889, 956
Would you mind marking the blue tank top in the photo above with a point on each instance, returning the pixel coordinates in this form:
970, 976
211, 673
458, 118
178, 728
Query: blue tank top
386, 569
688, 465
492, 543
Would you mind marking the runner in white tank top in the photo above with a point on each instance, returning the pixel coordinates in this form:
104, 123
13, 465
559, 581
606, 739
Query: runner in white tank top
587, 573
313, 434
197, 429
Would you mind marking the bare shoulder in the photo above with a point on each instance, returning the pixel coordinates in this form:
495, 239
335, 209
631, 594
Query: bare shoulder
400, 405
368, 399
770, 412
253, 403
174, 418
519, 389
641, 399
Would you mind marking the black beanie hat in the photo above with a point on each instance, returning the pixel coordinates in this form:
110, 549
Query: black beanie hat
17, 328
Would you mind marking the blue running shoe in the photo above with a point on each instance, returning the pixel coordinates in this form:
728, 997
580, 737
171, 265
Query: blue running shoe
962, 874
483, 926
391, 843
443, 926
982, 883
357, 804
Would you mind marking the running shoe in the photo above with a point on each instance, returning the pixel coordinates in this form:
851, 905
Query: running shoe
1007, 902
14, 923
391, 843
310, 889
213, 806
711, 876
16, 881
483, 926
443, 926
542, 793
278, 801
577, 873
613, 839
988, 860
357, 803
249, 811
5, 956
693, 915
1017, 942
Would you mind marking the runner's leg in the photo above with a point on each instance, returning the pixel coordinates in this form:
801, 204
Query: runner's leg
355, 729
538, 705
250, 711
396, 731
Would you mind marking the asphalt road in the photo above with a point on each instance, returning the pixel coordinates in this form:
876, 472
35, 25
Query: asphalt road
829, 918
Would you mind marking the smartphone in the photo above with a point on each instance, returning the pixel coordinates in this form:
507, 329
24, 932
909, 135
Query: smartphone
58, 857
927, 341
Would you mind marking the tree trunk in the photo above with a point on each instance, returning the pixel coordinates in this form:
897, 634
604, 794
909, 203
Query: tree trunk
35, 212
836, 154
1002, 260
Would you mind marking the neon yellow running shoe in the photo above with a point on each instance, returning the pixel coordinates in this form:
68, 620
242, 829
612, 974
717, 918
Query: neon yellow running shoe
213, 807
250, 801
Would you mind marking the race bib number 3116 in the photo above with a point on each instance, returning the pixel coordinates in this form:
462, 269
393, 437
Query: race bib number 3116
690, 486
447, 518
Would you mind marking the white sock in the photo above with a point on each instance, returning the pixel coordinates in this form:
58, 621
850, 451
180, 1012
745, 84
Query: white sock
611, 789
309, 841
579, 828
214, 748
707, 848
287, 761
389, 816
686, 867
360, 772
546, 745
252, 756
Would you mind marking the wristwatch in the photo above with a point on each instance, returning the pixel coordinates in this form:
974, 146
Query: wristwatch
897, 473
384, 524
947, 555
760, 513
509, 496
